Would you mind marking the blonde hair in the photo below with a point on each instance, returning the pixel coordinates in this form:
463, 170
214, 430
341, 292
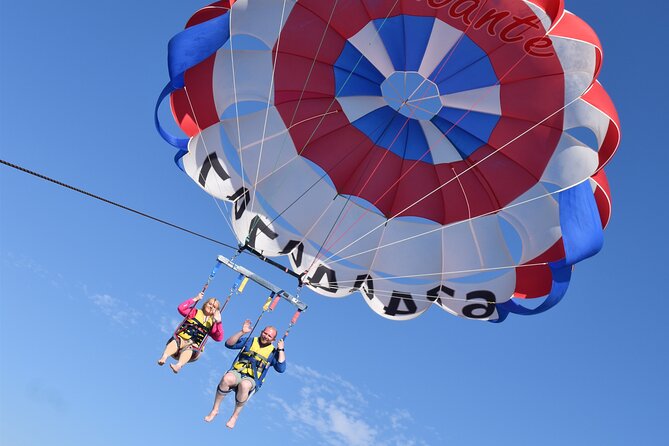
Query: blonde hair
216, 303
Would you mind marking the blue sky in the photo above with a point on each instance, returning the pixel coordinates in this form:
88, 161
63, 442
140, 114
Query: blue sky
89, 292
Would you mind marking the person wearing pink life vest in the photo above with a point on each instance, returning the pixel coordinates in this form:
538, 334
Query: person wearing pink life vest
187, 342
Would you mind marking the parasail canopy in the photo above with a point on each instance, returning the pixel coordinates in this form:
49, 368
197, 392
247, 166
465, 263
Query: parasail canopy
427, 153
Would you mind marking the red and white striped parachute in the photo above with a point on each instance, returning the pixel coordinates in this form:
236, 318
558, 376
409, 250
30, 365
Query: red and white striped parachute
442, 153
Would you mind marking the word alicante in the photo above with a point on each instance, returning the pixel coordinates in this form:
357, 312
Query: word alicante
509, 28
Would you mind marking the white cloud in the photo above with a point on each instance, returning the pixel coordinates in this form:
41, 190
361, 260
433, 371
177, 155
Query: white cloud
398, 417
23, 262
326, 409
152, 298
353, 431
213, 378
47, 395
117, 310
327, 383
168, 325
330, 410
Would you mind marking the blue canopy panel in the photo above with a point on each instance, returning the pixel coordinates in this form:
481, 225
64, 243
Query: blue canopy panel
405, 39
396, 127
395, 132
355, 75
465, 67
466, 130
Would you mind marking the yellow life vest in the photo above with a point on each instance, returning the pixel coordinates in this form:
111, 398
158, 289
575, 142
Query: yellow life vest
256, 354
196, 327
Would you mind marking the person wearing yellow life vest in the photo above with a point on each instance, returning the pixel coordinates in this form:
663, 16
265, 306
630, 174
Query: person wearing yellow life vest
186, 343
248, 371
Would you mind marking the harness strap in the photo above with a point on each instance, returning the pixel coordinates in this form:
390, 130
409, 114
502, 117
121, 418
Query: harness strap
195, 329
255, 361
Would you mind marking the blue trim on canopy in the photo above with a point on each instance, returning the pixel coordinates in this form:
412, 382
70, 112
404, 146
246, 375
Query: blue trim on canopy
561, 277
582, 237
185, 50
178, 159
180, 143
195, 44
582, 233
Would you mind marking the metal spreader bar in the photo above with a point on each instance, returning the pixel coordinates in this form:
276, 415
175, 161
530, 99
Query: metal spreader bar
263, 283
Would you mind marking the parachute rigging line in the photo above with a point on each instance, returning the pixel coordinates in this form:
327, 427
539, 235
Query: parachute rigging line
335, 224
296, 200
441, 137
345, 209
238, 285
269, 96
262, 282
234, 90
306, 82
105, 200
447, 183
454, 125
301, 277
283, 268
345, 81
204, 142
431, 231
494, 97
267, 108
202, 178
313, 63
381, 134
343, 158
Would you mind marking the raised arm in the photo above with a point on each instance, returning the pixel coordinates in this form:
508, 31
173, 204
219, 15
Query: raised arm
246, 329
185, 307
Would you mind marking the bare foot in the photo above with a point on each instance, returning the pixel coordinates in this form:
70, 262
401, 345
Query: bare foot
209, 418
161, 361
231, 422
175, 368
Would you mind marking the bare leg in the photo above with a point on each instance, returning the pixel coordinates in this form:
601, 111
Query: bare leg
227, 382
233, 418
242, 396
184, 357
170, 349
